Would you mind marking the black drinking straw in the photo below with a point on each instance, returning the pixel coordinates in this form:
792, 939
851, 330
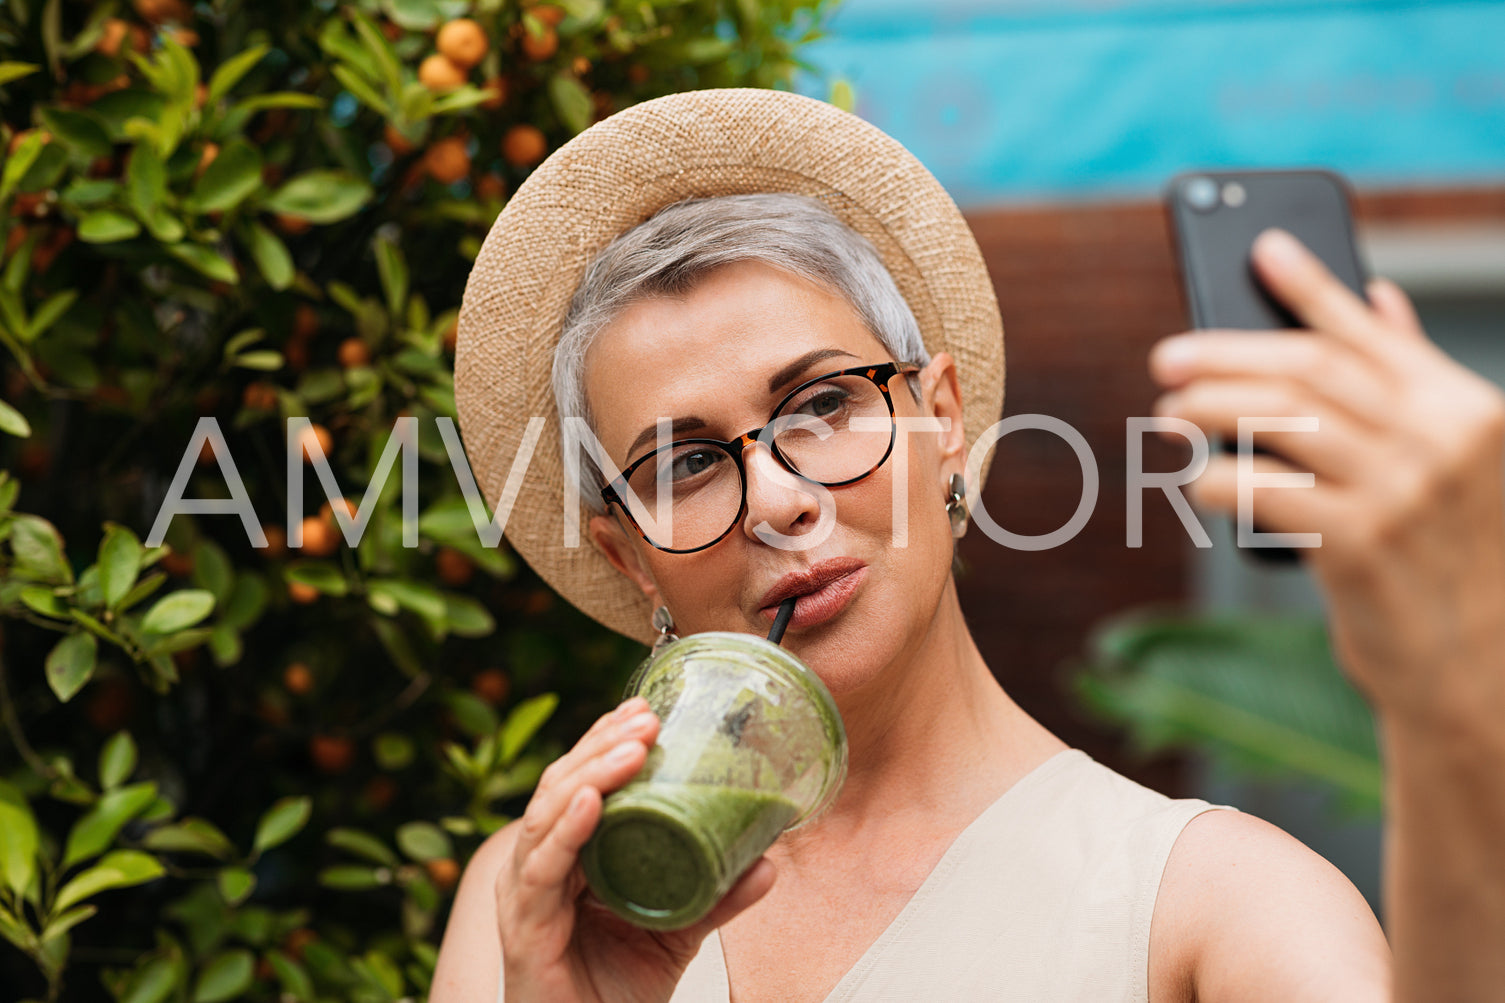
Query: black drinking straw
781, 619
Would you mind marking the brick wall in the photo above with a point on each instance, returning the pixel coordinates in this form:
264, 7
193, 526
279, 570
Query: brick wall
1084, 292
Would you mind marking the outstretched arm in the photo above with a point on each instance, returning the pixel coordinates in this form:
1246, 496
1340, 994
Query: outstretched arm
1409, 496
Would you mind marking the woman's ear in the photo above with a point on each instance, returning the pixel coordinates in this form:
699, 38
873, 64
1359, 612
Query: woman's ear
607, 534
942, 396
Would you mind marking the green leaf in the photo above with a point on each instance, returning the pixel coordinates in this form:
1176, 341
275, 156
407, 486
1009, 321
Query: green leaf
271, 256
295, 981
119, 563
20, 162
190, 835
178, 610
12, 422
363, 91
522, 723
152, 982
320, 574
282, 822
94, 832
212, 571
62, 923
842, 95
571, 100
117, 760
106, 226
142, 589
206, 261
393, 272
48, 313
226, 977
43, 600
322, 196
78, 129
231, 71
380, 49
349, 878
263, 360
119, 869
15, 71
235, 885
467, 617
424, 841
71, 663
146, 179
362, 845
474, 716
229, 179
38, 550
18, 839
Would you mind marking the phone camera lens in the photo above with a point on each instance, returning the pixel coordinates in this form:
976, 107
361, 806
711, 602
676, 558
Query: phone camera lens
1201, 194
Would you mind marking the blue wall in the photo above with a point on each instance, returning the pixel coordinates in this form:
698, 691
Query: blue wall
1016, 100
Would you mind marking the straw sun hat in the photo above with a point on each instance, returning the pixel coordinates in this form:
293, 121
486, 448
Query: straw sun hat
617, 174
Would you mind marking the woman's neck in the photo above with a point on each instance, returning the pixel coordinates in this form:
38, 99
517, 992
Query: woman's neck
932, 741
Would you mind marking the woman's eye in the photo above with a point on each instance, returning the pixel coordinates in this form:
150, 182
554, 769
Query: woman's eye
823, 403
690, 464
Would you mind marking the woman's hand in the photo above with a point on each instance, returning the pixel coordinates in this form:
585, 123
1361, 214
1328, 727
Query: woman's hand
558, 944
1409, 493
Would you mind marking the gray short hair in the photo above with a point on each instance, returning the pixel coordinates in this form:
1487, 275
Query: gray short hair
669, 253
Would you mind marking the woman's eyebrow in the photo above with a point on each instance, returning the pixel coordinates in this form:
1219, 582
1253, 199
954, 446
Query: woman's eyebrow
677, 427
788, 373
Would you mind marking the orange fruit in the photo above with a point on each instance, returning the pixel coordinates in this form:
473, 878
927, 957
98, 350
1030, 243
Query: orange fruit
310, 435
298, 592
298, 679
462, 42
542, 46
276, 540
399, 144
331, 753
157, 11
305, 321
259, 396
177, 563
326, 511
320, 538
549, 14
581, 66
637, 74
491, 187
354, 352
444, 872
452, 334
496, 93
453, 567
524, 145
112, 37
186, 37
447, 161
211, 150
491, 685
292, 225
438, 74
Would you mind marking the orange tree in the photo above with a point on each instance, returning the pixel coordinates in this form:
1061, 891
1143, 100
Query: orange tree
253, 771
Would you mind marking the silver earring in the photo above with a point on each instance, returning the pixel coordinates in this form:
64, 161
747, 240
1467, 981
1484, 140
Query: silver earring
663, 622
956, 505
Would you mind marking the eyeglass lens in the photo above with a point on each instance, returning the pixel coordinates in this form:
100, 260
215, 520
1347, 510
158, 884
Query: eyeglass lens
689, 494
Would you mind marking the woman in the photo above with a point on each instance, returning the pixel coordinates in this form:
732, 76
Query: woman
970, 854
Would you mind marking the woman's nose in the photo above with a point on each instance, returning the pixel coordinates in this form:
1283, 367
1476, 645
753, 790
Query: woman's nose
780, 504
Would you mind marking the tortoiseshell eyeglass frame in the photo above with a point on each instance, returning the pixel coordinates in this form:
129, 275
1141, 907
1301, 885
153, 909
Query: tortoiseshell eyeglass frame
881, 375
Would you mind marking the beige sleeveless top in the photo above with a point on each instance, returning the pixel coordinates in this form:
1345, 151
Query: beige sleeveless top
1046, 896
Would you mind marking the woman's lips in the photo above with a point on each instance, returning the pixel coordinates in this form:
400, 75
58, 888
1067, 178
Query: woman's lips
825, 602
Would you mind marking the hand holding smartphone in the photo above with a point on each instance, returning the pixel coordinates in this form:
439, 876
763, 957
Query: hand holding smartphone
1215, 217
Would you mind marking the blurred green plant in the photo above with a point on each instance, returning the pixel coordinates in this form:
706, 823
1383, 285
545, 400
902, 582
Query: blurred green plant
252, 213
1258, 695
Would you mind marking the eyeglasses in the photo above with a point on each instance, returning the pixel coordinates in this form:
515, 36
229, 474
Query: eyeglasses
833, 430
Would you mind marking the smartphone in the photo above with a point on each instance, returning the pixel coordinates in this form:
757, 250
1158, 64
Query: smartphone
1215, 216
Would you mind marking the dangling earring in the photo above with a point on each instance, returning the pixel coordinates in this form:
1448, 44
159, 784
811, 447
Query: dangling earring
956, 505
663, 622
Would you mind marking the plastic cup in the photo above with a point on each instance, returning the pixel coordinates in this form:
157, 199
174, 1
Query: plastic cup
750, 745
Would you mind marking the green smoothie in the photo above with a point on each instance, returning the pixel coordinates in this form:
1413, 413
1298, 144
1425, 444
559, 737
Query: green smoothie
750, 744
667, 853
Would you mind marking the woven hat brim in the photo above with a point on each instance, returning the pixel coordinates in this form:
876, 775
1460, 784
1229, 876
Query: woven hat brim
617, 174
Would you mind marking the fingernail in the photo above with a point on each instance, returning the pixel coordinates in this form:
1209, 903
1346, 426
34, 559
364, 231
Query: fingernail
1176, 353
1278, 246
640, 721
624, 708
622, 754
